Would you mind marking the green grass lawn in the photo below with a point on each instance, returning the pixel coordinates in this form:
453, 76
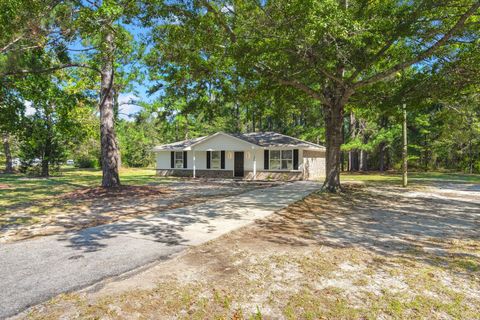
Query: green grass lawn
19, 189
414, 178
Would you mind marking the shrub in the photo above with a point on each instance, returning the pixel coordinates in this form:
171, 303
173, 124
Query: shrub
87, 162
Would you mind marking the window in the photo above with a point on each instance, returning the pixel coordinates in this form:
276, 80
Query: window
178, 159
287, 159
275, 160
281, 160
215, 163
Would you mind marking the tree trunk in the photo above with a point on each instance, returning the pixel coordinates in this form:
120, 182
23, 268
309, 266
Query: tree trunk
46, 156
45, 168
116, 118
388, 159
342, 156
351, 153
471, 157
363, 160
253, 120
381, 157
47, 149
333, 134
108, 141
405, 149
8, 154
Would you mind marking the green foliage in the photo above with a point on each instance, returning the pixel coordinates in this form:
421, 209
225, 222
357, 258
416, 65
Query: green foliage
87, 162
57, 125
41, 140
240, 66
136, 139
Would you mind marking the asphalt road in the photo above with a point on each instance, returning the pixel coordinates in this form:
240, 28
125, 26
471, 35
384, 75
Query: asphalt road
33, 271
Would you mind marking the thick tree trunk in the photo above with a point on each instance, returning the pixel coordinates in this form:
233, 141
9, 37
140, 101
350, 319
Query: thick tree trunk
8, 154
45, 168
109, 146
334, 139
116, 118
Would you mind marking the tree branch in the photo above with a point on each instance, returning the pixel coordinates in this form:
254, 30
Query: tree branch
302, 87
46, 70
210, 8
425, 54
377, 56
8, 45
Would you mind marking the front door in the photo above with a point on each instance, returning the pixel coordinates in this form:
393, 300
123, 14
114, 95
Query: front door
238, 164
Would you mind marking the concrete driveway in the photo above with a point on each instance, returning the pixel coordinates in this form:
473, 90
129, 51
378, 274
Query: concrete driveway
35, 270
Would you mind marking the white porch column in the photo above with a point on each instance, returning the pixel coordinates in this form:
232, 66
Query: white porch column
254, 164
194, 166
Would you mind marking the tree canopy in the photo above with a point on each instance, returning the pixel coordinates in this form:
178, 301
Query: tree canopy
333, 72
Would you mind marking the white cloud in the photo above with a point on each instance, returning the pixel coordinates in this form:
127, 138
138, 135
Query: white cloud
227, 9
29, 110
128, 105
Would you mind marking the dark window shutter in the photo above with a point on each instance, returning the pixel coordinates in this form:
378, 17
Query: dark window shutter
295, 159
172, 159
184, 159
222, 161
266, 159
208, 159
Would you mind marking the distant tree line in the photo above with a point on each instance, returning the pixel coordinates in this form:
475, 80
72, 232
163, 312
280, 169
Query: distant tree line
334, 72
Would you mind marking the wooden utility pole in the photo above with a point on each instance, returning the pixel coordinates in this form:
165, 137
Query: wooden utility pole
404, 153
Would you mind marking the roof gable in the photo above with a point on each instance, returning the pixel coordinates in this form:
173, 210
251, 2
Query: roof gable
222, 141
236, 140
179, 145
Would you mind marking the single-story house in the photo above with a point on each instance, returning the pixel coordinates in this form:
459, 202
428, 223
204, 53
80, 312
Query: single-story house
256, 155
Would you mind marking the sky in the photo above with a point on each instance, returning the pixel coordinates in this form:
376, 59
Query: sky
126, 109
139, 92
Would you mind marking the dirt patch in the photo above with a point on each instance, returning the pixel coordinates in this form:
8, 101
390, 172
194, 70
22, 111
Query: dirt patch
367, 253
4, 186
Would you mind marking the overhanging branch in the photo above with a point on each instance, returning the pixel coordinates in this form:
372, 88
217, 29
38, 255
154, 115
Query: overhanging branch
225, 26
46, 70
425, 54
300, 86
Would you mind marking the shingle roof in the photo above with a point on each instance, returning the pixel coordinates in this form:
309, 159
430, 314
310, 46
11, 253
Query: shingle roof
179, 145
273, 139
261, 139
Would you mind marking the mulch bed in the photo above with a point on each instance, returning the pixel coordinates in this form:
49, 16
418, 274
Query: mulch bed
122, 191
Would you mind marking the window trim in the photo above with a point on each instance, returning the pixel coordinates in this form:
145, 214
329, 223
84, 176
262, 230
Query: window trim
175, 160
270, 168
219, 160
